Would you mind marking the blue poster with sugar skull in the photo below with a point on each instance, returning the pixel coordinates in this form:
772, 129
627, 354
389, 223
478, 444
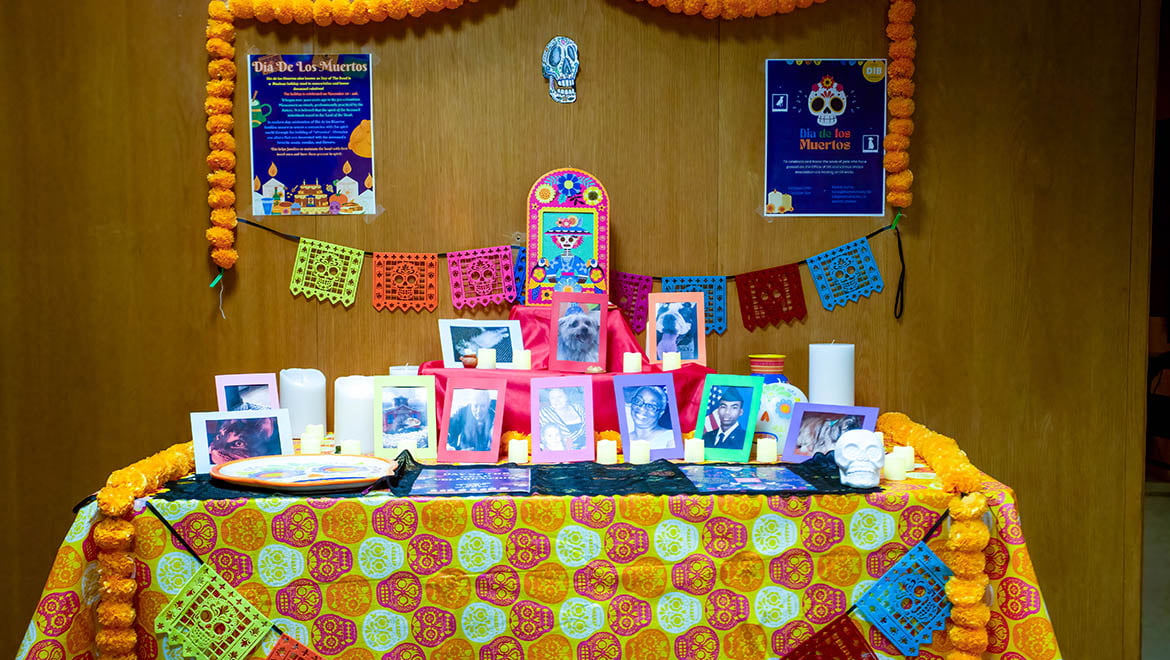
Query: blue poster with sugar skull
824, 129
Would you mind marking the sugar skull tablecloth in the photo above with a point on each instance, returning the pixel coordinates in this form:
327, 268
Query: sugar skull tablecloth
639, 577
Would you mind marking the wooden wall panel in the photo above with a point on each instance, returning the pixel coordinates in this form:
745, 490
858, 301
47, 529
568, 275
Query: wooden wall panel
1022, 247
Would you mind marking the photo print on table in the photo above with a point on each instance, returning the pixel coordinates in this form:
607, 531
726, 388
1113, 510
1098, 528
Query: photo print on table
677, 324
235, 392
562, 419
473, 415
221, 437
648, 410
461, 337
815, 428
577, 333
404, 413
728, 414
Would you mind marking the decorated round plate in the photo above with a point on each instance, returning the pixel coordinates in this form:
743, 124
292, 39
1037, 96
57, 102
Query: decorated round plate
317, 473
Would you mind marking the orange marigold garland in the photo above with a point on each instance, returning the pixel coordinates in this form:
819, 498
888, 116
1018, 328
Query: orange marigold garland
900, 86
731, 9
221, 87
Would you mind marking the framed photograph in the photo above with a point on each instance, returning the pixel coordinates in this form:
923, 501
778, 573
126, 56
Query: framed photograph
237, 392
562, 419
677, 324
404, 410
227, 436
648, 410
466, 336
816, 427
577, 331
473, 413
727, 416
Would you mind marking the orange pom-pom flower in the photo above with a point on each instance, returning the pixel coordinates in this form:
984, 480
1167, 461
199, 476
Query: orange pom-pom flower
222, 179
342, 11
224, 257
361, 12
265, 10
896, 142
115, 614
225, 218
901, 68
900, 87
221, 69
903, 48
116, 640
220, 123
971, 640
221, 48
323, 13
223, 141
900, 181
242, 8
899, 31
283, 11
896, 161
902, 127
113, 534
901, 11
902, 108
115, 564
221, 160
220, 237
220, 30
221, 89
220, 199
218, 10
971, 616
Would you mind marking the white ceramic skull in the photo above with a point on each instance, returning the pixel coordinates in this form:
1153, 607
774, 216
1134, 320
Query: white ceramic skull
860, 455
560, 64
827, 101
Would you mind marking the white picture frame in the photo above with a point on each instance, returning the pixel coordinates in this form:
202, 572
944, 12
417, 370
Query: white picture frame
458, 336
279, 438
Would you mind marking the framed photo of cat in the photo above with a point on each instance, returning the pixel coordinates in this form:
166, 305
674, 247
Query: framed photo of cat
461, 337
677, 324
577, 331
815, 428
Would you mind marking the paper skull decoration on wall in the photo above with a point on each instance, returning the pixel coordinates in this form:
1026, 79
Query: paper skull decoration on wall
827, 101
560, 64
860, 456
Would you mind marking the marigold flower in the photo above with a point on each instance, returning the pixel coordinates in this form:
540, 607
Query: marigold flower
220, 237
220, 30
221, 89
115, 564
966, 591
712, 9
323, 13
432, 5
398, 9
901, 11
903, 48
902, 127
112, 641
113, 534
303, 11
379, 10
221, 69
765, 8
900, 181
804, 4
901, 68
971, 616
900, 87
786, 6
221, 160
901, 107
265, 10
218, 198
225, 218
969, 507
896, 161
899, 31
221, 48
416, 8
218, 10
224, 257
971, 640
342, 11
222, 123
966, 563
222, 141
222, 179
899, 200
242, 8
215, 105
114, 614
115, 501
962, 655
283, 11
361, 12
117, 588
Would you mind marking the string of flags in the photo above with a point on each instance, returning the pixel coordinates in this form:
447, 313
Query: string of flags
483, 277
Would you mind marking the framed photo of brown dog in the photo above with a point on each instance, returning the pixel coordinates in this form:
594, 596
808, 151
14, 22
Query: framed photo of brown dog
677, 324
577, 331
220, 437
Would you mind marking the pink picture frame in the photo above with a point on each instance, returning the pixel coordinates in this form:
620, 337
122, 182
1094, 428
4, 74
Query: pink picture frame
469, 437
568, 236
577, 331
681, 317
237, 392
562, 420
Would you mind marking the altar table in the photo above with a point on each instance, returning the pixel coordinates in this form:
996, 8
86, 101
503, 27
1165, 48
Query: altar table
637, 577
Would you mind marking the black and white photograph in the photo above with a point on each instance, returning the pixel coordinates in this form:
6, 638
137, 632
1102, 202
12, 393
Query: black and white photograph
472, 421
220, 437
461, 337
247, 397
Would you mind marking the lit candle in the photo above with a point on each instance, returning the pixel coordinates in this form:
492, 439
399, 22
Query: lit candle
351, 446
893, 470
640, 452
766, 449
518, 451
486, 358
694, 449
671, 360
353, 412
632, 363
302, 391
522, 359
311, 439
830, 374
607, 451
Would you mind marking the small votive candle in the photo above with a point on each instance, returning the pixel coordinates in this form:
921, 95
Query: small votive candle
631, 363
311, 438
522, 359
640, 452
766, 449
607, 451
694, 449
486, 358
404, 370
904, 456
893, 470
671, 360
351, 446
518, 451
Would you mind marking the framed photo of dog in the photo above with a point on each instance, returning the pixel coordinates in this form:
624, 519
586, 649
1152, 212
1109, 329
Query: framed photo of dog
404, 414
577, 331
220, 437
727, 416
677, 324
461, 337
562, 419
473, 412
815, 428
236, 392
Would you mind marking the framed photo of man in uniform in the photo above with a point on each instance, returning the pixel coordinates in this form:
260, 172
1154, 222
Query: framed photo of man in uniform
727, 416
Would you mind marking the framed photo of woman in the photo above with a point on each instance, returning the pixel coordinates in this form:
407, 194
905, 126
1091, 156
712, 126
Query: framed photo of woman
677, 324
648, 410
562, 420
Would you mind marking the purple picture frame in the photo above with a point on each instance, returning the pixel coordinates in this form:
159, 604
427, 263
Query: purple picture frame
826, 414
633, 382
545, 419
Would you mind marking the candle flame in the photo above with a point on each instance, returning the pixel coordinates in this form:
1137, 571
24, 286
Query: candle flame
272, 169
346, 168
369, 181
255, 183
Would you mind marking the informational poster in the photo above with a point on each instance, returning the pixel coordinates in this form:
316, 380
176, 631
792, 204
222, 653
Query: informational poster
826, 121
312, 134
740, 478
448, 481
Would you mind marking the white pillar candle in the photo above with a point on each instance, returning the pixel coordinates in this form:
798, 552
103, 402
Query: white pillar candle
404, 370
353, 411
486, 358
311, 439
904, 456
518, 451
351, 446
607, 451
640, 452
694, 449
893, 470
671, 360
522, 359
830, 374
766, 449
631, 363
302, 391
